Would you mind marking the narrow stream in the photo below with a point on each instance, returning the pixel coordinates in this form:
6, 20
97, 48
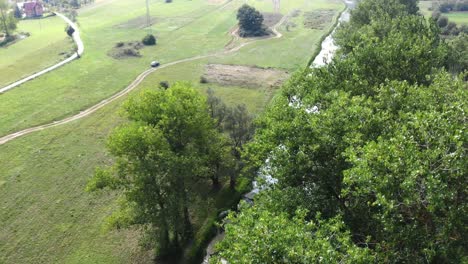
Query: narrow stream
327, 52
329, 47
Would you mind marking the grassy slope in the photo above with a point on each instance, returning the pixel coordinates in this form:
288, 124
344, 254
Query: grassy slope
42, 49
46, 216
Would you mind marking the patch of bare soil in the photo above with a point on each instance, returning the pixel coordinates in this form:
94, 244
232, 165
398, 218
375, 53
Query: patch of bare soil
318, 19
271, 19
123, 50
244, 76
138, 22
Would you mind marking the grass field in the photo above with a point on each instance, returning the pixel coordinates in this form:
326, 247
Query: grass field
459, 18
46, 216
47, 45
424, 7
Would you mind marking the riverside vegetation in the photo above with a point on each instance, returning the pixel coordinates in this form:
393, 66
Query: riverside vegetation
369, 152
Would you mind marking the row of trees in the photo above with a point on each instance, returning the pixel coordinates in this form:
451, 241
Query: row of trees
175, 138
377, 171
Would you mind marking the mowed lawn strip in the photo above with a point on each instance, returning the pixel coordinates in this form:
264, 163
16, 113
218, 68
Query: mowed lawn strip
47, 44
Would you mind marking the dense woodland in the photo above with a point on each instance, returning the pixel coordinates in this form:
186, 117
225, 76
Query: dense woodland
369, 153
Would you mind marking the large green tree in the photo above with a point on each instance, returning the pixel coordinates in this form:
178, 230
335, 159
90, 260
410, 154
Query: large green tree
169, 143
250, 22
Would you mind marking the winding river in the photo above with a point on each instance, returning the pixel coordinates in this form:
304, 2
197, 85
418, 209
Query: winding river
327, 52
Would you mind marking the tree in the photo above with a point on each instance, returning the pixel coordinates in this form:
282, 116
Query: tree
375, 138
258, 235
149, 40
160, 153
8, 22
458, 53
239, 125
250, 22
218, 109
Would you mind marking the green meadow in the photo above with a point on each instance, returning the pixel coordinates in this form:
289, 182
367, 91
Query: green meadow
46, 216
47, 44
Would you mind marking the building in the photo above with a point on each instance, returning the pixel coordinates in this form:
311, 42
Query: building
31, 9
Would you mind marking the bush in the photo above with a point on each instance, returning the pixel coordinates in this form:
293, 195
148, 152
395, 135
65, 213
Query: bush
164, 84
203, 80
446, 7
131, 52
149, 40
119, 44
442, 21
70, 30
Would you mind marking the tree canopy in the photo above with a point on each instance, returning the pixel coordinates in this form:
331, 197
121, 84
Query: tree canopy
250, 22
169, 143
373, 143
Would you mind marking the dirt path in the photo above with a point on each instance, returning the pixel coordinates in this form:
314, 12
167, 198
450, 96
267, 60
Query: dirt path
77, 54
132, 86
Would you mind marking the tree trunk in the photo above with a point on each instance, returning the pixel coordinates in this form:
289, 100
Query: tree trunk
188, 231
232, 181
4, 22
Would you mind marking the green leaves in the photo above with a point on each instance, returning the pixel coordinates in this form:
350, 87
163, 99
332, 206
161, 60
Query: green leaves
257, 235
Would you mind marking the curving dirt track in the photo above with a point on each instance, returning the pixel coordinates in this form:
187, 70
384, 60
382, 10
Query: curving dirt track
80, 49
133, 85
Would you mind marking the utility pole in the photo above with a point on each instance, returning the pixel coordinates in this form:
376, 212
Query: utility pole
148, 17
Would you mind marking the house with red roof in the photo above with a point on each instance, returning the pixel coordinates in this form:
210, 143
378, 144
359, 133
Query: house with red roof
32, 9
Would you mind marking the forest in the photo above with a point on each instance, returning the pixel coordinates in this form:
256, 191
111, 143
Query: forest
369, 152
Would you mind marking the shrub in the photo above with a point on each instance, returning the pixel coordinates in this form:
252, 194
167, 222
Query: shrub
131, 52
149, 40
119, 44
164, 84
203, 80
70, 30
442, 21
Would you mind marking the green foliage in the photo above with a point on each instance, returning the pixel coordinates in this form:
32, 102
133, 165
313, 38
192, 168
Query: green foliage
250, 22
458, 53
376, 138
8, 21
257, 235
373, 52
169, 143
149, 40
